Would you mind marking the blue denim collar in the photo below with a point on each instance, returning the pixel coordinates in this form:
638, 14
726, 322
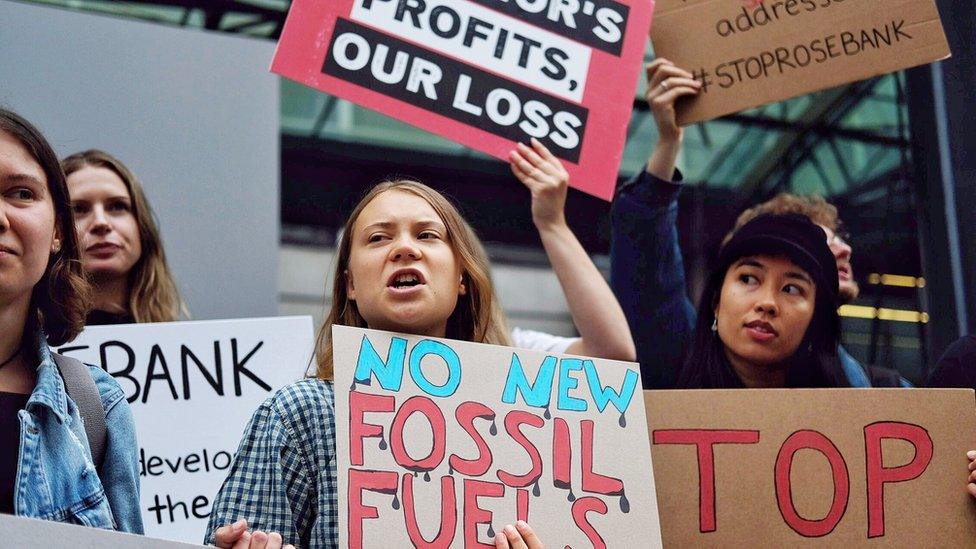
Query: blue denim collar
49, 390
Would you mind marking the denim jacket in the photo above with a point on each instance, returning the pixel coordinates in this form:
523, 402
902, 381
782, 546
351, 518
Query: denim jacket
56, 479
647, 274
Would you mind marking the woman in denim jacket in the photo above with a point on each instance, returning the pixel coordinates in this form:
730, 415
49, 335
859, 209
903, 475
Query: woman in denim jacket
46, 468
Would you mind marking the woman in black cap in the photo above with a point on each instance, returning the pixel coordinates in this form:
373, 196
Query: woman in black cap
768, 315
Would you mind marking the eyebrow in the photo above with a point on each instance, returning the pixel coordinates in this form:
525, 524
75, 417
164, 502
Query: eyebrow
109, 199
799, 275
751, 262
22, 177
432, 223
390, 224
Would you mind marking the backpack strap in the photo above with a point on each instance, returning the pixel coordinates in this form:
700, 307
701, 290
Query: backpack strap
82, 390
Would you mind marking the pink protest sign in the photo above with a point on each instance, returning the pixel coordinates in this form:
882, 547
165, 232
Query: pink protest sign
441, 443
484, 73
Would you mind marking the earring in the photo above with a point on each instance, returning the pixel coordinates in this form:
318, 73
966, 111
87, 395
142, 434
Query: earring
56, 246
714, 324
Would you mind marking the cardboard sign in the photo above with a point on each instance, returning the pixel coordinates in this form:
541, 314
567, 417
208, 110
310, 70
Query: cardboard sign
748, 53
484, 73
442, 443
797, 467
27, 532
192, 387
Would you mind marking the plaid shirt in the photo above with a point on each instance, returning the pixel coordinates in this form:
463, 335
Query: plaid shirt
284, 475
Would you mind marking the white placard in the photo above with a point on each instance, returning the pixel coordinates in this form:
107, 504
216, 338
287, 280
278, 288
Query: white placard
192, 387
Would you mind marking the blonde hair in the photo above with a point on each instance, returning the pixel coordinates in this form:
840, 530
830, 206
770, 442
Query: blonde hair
153, 295
478, 317
818, 210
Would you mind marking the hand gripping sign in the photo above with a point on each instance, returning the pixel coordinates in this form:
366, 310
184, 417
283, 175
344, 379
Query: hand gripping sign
484, 73
845, 467
442, 443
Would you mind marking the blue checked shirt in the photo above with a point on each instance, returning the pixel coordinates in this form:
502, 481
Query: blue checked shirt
284, 475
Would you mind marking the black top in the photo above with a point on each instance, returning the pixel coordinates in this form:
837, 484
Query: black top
957, 367
98, 318
10, 404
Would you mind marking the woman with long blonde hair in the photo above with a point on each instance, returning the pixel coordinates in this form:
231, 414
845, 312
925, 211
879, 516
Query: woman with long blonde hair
595, 311
122, 250
407, 262
477, 317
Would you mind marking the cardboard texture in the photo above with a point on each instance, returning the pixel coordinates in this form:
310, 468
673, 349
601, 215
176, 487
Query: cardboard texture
484, 73
192, 387
442, 443
23, 532
749, 53
868, 467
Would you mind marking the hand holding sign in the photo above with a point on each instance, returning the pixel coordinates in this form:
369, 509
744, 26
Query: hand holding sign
596, 313
972, 472
665, 84
546, 179
237, 536
519, 536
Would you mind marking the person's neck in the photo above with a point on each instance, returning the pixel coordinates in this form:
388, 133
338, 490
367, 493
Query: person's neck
439, 331
13, 319
111, 294
16, 376
756, 376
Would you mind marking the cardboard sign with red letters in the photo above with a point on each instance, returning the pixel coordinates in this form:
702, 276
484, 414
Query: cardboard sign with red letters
804, 467
441, 443
484, 73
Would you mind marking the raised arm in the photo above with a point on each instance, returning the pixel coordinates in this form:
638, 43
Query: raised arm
666, 83
647, 271
601, 323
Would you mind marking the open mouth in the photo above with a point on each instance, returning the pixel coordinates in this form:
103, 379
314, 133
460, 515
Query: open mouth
404, 280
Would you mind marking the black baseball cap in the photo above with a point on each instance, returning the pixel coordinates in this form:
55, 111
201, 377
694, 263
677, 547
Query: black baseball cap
792, 235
